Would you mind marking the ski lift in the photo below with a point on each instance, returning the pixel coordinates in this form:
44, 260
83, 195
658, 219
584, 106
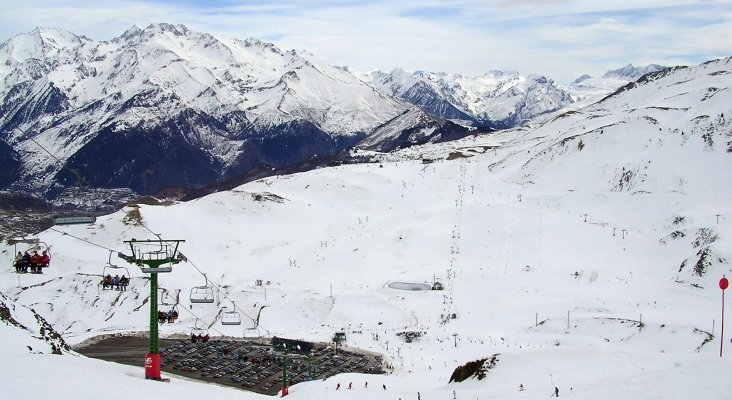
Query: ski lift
153, 255
231, 317
199, 331
73, 219
109, 268
164, 295
29, 245
251, 333
170, 316
202, 294
81, 214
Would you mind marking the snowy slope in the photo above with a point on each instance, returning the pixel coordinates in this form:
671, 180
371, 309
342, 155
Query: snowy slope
578, 275
30, 368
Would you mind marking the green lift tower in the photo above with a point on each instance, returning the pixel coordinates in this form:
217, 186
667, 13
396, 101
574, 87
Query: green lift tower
153, 257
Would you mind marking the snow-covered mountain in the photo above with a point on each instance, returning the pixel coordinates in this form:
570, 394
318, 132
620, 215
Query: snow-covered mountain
587, 89
167, 106
497, 97
583, 252
631, 73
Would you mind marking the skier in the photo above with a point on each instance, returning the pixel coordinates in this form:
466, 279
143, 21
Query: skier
349, 385
338, 385
45, 259
556, 391
384, 386
521, 387
18, 262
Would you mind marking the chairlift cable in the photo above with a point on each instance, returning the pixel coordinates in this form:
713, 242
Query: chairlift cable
209, 282
43, 148
81, 239
198, 318
235, 307
76, 172
220, 291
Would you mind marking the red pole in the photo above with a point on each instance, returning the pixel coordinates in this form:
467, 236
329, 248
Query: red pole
723, 284
721, 337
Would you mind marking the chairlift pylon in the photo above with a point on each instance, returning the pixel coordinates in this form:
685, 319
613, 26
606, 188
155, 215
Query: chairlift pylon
231, 317
153, 256
202, 294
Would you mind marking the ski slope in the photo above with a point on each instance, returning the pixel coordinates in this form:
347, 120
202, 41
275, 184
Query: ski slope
507, 256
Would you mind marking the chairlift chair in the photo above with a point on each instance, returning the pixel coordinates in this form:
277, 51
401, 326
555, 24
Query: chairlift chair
80, 216
73, 219
231, 317
112, 267
202, 294
199, 329
163, 296
174, 309
30, 245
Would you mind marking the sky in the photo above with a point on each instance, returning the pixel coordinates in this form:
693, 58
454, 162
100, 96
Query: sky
561, 39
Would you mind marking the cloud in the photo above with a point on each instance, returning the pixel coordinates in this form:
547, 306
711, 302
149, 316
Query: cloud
432, 13
560, 38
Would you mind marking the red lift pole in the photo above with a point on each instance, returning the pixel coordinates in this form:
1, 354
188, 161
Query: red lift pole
723, 284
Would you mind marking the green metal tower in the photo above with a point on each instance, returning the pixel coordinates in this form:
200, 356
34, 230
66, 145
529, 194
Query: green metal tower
153, 257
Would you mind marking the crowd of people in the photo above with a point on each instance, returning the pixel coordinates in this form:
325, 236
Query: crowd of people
35, 263
169, 316
118, 283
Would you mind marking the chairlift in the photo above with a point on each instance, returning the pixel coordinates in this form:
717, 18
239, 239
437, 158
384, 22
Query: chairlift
153, 256
199, 330
82, 214
231, 317
164, 295
30, 246
202, 294
73, 219
251, 333
110, 268
170, 315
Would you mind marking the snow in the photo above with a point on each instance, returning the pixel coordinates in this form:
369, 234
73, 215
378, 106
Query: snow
147, 76
573, 262
496, 95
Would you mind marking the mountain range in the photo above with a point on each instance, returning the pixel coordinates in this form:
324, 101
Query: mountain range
166, 106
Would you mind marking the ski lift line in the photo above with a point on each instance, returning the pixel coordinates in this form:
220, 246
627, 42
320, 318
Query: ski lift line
189, 260
79, 179
41, 146
221, 293
83, 240
198, 318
